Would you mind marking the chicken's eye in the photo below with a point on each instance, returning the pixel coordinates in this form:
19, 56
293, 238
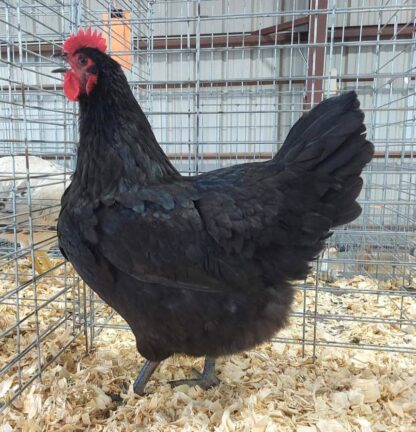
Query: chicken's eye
82, 61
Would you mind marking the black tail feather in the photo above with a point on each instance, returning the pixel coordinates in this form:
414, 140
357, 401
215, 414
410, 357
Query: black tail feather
329, 117
330, 140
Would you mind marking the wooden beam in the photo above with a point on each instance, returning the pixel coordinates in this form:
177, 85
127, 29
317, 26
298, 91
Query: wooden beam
284, 26
261, 37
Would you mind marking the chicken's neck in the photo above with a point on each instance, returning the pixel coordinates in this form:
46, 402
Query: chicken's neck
117, 146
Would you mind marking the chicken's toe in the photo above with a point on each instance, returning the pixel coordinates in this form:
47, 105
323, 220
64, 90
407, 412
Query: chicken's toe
206, 380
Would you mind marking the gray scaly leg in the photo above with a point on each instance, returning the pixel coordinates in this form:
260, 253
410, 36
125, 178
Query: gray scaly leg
144, 375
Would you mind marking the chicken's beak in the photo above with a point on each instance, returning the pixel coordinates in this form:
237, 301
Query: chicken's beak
60, 70
61, 56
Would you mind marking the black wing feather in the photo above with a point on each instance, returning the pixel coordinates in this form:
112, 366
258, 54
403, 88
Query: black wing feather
248, 225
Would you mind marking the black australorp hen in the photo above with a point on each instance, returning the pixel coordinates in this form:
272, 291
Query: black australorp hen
198, 265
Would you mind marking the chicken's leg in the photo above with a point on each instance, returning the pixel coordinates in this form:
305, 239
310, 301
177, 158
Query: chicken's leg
144, 375
205, 380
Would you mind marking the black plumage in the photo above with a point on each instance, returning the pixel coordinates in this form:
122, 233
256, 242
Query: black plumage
202, 265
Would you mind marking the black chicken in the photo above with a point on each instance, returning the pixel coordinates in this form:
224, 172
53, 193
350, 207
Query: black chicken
198, 265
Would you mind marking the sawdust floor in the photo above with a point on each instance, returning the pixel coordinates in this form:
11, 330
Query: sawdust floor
270, 389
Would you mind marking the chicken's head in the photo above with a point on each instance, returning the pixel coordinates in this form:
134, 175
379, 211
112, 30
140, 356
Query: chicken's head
82, 74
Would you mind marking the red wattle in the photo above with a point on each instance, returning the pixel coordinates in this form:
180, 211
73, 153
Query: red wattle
72, 86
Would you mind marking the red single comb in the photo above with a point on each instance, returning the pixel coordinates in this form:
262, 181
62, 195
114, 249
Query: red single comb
85, 39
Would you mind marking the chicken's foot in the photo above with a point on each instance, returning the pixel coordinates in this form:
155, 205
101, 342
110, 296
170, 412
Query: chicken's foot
205, 380
144, 375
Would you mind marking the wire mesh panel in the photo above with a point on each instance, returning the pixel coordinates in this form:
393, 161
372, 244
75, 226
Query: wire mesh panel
41, 307
221, 82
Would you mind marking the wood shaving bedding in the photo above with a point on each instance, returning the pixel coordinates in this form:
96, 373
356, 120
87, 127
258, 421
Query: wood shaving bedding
270, 389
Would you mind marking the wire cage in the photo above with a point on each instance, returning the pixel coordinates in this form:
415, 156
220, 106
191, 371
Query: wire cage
221, 82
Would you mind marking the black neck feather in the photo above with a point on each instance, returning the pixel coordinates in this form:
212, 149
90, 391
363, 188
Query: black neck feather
117, 146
